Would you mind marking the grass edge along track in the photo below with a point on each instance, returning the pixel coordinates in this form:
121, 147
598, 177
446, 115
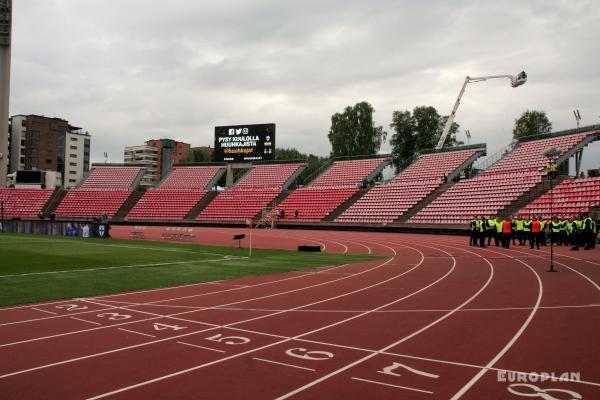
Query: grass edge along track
35, 268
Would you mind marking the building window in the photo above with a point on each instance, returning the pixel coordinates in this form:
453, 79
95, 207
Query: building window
73, 139
72, 172
73, 147
73, 164
72, 180
73, 155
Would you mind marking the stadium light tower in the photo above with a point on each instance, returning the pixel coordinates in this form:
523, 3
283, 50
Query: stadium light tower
5, 30
515, 81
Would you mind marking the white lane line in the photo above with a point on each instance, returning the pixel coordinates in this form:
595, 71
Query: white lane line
45, 311
137, 333
85, 320
510, 343
183, 312
68, 271
160, 378
190, 333
56, 316
389, 384
280, 363
404, 339
201, 347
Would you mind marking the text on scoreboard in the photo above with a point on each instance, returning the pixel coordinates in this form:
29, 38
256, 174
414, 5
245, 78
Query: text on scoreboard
239, 143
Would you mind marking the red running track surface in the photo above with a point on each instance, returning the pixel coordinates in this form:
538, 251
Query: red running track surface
433, 319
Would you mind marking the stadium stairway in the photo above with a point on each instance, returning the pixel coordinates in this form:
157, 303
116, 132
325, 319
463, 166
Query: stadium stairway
344, 206
201, 205
131, 201
527, 197
54, 201
423, 203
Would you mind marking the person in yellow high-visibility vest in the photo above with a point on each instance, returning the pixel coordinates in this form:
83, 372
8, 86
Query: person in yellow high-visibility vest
589, 232
527, 229
555, 231
490, 229
519, 229
552, 170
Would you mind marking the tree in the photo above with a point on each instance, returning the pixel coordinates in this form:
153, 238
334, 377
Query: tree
200, 154
417, 131
354, 132
531, 122
314, 163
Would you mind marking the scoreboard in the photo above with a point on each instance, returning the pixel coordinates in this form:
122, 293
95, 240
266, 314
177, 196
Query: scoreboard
244, 143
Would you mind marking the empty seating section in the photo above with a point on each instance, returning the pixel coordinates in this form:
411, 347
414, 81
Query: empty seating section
238, 205
313, 204
267, 176
111, 178
529, 156
497, 187
385, 204
348, 172
569, 198
485, 195
190, 177
171, 204
84, 203
23, 203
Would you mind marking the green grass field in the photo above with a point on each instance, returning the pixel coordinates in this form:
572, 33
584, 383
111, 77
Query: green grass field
37, 268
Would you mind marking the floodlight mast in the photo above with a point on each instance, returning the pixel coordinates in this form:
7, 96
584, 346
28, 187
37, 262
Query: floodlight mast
515, 81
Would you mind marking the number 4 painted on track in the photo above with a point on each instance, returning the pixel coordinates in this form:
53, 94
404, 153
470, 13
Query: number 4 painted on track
161, 327
389, 371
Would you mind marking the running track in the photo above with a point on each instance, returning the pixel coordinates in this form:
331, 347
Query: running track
433, 319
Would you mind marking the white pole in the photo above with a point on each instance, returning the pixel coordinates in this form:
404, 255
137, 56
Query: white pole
250, 252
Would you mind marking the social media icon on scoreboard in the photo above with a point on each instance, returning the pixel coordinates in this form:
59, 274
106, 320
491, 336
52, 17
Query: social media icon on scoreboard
231, 132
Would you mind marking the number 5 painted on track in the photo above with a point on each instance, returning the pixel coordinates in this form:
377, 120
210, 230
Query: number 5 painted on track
309, 355
389, 371
232, 340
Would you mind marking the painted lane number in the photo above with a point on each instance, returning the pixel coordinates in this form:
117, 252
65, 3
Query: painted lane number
389, 370
162, 327
113, 316
304, 354
71, 307
231, 340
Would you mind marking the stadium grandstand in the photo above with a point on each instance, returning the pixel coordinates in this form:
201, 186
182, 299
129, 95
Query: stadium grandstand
513, 177
387, 203
178, 194
331, 189
252, 193
568, 199
104, 191
23, 203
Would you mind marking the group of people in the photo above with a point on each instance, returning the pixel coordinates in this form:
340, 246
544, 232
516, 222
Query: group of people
575, 231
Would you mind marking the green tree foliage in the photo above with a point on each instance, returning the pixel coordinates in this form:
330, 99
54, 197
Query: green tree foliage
199, 155
417, 131
314, 163
532, 122
354, 132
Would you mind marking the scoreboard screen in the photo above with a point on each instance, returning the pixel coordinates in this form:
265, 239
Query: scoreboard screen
244, 143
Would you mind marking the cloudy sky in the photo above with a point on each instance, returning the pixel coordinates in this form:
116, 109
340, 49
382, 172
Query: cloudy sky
132, 70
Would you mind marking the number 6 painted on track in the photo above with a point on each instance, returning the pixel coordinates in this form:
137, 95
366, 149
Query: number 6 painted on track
309, 355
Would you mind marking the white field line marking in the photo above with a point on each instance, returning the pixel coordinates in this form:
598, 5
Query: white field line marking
137, 333
389, 384
512, 341
85, 320
295, 337
186, 334
280, 363
57, 315
44, 311
68, 271
149, 303
417, 332
201, 347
